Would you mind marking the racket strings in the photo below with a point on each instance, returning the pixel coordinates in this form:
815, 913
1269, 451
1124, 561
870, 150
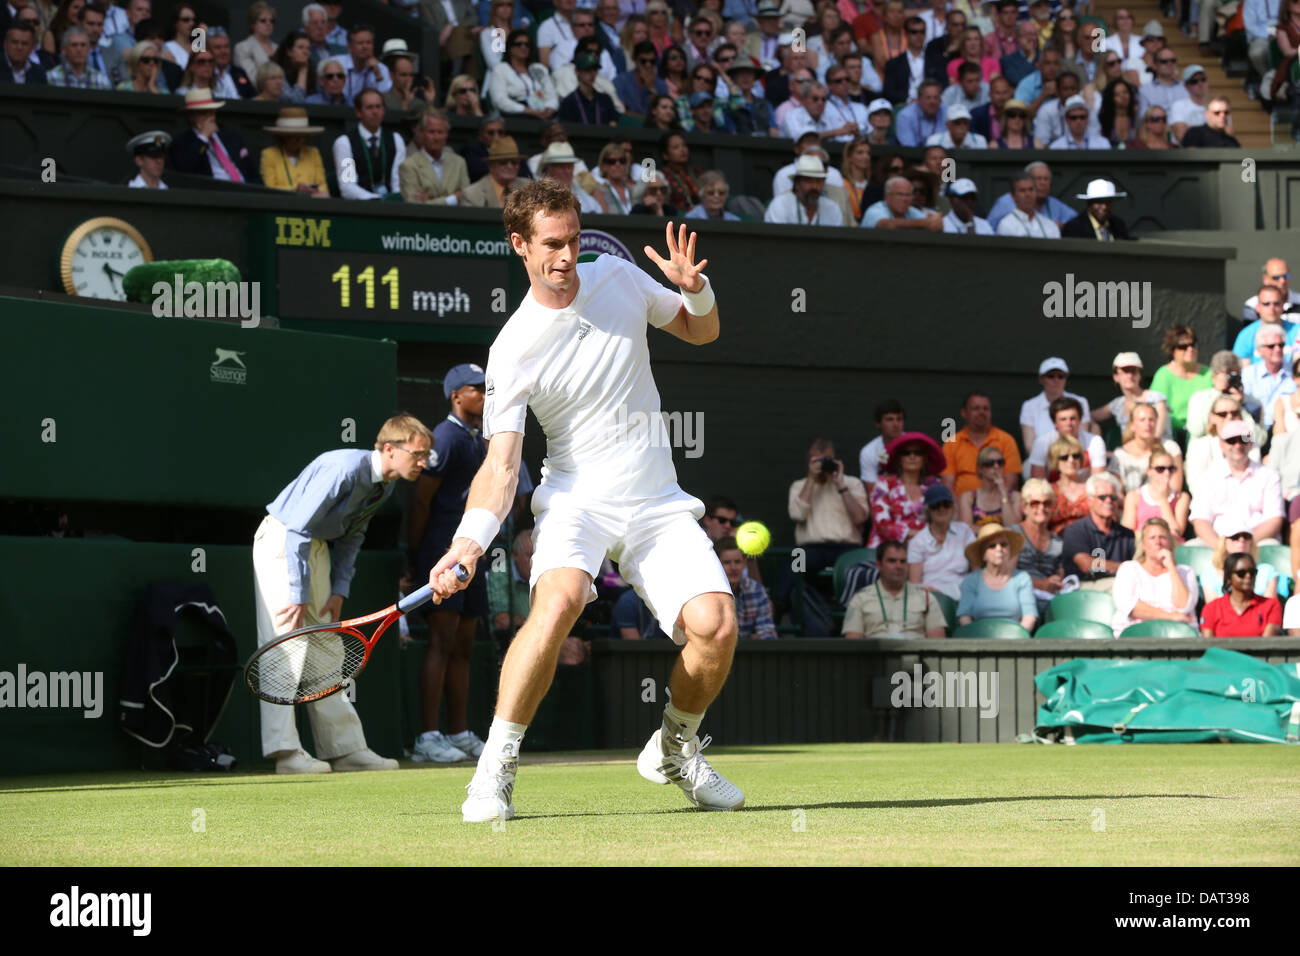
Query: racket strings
308, 666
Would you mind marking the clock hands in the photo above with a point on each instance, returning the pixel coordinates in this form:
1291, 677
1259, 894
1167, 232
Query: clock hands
114, 275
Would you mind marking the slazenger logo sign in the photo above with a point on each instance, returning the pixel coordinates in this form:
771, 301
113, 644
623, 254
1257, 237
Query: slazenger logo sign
229, 368
593, 242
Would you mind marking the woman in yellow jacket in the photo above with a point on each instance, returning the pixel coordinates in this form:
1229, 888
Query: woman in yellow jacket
292, 164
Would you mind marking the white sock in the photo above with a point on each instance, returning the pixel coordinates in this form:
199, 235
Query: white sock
503, 742
679, 726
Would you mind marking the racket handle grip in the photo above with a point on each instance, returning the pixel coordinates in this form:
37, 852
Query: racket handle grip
422, 596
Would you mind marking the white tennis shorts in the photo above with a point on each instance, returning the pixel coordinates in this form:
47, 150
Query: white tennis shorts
658, 543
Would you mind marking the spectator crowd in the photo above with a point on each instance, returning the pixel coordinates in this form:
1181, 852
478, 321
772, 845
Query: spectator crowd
847, 81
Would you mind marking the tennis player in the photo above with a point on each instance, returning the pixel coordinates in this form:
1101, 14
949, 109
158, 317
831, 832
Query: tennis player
576, 352
304, 557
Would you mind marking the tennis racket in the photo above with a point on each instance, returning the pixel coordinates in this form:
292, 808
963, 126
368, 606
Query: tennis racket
312, 662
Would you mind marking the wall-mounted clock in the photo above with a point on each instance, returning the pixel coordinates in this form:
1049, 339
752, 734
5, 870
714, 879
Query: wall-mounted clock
98, 254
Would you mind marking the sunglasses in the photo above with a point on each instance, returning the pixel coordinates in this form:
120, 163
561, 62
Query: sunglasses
1013, 114
1284, 275
1272, 345
1071, 456
1245, 573
1037, 504
1232, 414
1241, 536
1157, 119
1107, 497
645, 61
619, 161
1166, 60
994, 463
523, 43
721, 520
1112, 62
1239, 440
331, 76
1194, 80
1179, 346
1164, 469
916, 30
701, 33
148, 59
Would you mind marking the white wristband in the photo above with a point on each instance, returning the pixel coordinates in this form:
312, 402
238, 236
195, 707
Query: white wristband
699, 303
480, 526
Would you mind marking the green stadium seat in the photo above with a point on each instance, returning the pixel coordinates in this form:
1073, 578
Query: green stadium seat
630, 121
1082, 605
949, 608
1198, 558
1278, 555
992, 627
1160, 629
846, 561
1075, 627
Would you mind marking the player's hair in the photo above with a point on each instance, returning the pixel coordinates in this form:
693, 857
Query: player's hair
400, 428
720, 501
725, 544
542, 195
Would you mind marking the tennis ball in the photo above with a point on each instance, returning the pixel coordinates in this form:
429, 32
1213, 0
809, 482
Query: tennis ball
753, 538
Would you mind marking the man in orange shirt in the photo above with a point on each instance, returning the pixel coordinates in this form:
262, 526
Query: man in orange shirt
963, 448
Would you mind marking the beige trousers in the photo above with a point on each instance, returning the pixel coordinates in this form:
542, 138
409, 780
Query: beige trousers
334, 721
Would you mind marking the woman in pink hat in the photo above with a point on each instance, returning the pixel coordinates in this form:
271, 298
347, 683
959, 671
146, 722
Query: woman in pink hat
898, 499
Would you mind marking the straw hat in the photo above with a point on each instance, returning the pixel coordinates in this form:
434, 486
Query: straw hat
292, 121
988, 534
200, 99
503, 148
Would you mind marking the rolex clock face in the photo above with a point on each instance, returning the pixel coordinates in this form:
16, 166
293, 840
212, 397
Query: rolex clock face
98, 255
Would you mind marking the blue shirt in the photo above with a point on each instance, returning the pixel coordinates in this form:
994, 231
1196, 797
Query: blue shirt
331, 500
1245, 343
633, 98
1055, 210
1265, 388
878, 211
913, 129
1011, 603
458, 451
698, 212
1030, 87
1015, 67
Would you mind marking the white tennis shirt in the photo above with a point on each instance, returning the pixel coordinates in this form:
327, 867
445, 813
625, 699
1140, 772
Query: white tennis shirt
585, 371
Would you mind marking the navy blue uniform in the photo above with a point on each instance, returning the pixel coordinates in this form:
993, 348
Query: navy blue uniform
458, 451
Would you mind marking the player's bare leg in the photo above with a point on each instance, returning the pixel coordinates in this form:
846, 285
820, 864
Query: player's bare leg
526, 676
672, 754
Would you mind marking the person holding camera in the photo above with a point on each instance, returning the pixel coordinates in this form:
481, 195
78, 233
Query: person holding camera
1225, 379
828, 507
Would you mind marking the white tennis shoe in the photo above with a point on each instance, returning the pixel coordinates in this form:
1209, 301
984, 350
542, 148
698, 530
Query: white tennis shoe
703, 786
468, 742
491, 790
435, 748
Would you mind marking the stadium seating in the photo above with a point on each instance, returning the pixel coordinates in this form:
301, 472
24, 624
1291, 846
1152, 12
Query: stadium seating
992, 627
1082, 605
850, 558
1160, 629
1075, 627
1199, 559
949, 607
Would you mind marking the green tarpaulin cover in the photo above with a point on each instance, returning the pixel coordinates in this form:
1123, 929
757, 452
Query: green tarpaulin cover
1223, 696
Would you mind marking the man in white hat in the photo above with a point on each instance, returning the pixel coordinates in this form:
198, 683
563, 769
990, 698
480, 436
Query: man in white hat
1035, 419
557, 163
206, 150
1165, 90
149, 150
805, 205
1191, 111
809, 142
1076, 134
1096, 221
1049, 121
896, 211
958, 134
880, 114
961, 219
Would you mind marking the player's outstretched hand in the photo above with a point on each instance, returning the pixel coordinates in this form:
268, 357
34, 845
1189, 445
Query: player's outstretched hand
443, 578
680, 267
